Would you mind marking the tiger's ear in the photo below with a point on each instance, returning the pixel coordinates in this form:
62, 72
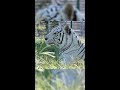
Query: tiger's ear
67, 30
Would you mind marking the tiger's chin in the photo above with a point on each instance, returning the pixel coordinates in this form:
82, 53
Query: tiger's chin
49, 43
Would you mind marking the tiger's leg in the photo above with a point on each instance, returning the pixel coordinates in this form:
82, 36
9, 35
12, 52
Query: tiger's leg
66, 60
62, 60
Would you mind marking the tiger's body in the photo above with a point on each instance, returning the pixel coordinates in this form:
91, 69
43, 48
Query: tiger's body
71, 48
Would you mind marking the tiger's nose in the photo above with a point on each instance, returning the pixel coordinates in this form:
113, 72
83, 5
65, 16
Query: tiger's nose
46, 38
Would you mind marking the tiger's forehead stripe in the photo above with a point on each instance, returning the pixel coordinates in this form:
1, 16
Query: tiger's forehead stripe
57, 29
67, 41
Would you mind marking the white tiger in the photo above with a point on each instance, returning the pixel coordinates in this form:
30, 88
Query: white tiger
66, 12
71, 48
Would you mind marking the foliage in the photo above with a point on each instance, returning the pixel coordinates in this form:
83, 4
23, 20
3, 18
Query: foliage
46, 57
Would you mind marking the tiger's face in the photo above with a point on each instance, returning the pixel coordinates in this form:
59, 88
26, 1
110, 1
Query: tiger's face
57, 35
54, 36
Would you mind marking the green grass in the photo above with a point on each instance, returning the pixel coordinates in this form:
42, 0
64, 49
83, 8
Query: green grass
46, 57
43, 82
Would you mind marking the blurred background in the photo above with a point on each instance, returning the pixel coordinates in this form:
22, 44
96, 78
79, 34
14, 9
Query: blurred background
45, 62
39, 4
44, 28
62, 79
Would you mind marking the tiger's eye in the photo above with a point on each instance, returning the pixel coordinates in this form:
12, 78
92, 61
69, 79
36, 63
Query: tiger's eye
60, 34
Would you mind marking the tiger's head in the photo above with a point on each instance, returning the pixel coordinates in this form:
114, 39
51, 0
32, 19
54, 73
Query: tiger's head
57, 34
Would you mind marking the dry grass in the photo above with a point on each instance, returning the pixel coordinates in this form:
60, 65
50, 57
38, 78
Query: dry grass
44, 61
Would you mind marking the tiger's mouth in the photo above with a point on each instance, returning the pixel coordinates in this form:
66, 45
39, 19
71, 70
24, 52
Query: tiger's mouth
49, 42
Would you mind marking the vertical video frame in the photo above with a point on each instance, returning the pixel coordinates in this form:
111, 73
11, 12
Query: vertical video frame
59, 44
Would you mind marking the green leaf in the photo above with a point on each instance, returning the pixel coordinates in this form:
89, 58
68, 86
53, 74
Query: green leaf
48, 53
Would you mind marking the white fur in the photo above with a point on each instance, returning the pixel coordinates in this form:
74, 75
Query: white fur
69, 49
43, 15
